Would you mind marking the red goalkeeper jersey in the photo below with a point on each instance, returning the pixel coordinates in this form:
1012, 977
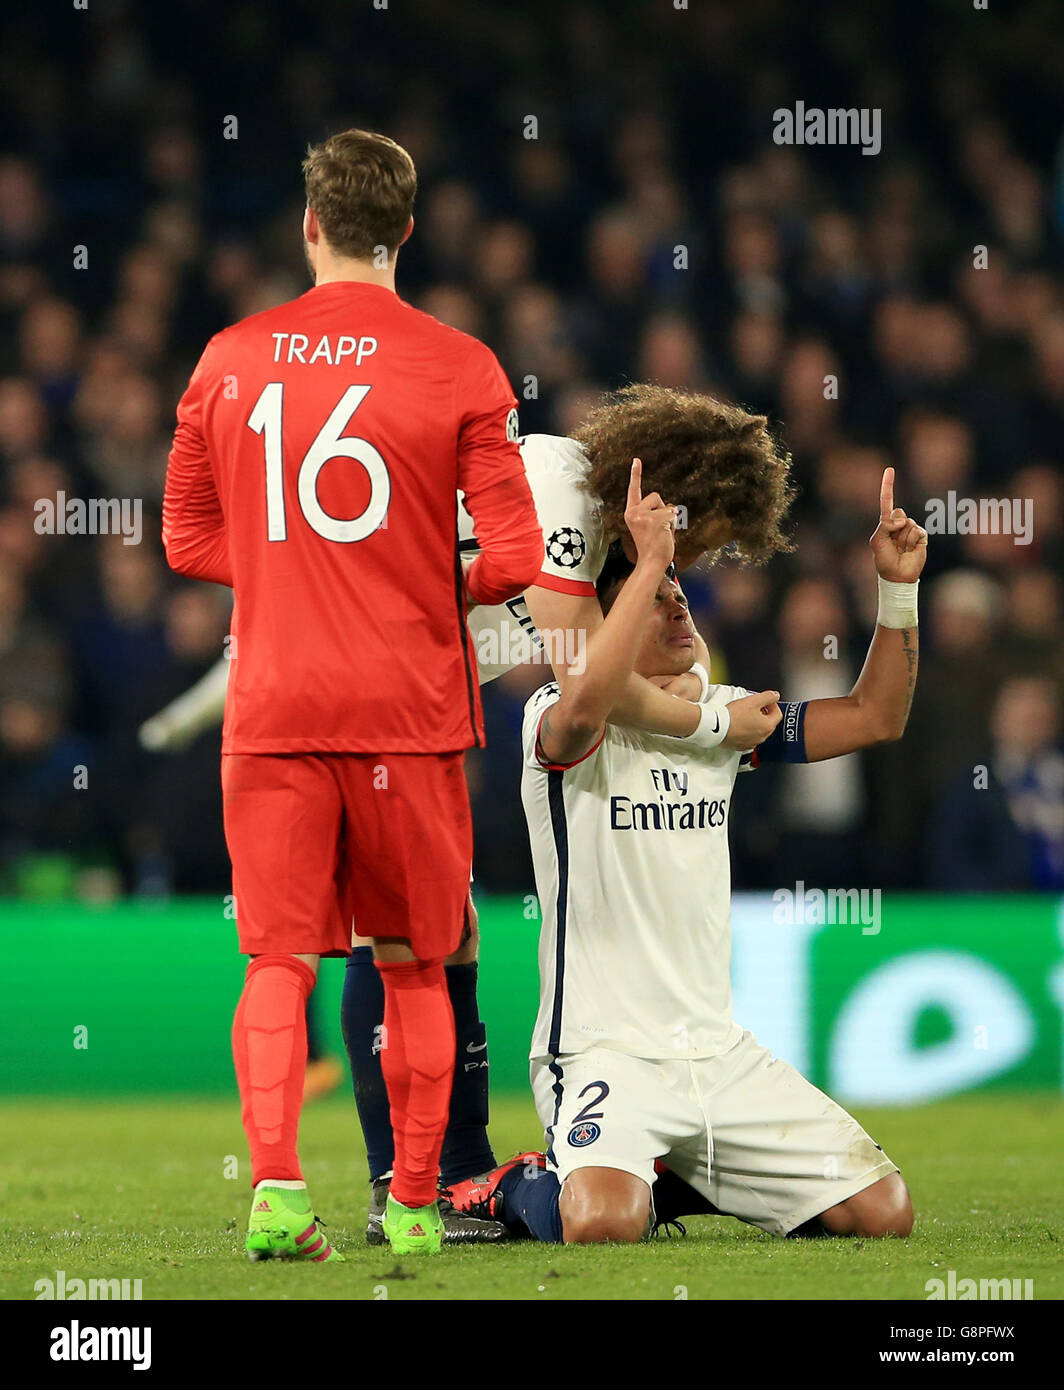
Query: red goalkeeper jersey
318, 452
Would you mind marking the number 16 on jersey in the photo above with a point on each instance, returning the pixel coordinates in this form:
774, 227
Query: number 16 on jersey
330, 443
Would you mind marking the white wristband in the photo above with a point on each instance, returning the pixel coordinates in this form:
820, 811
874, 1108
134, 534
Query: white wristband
897, 604
712, 727
703, 680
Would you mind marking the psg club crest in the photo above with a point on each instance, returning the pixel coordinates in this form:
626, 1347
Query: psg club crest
566, 547
583, 1134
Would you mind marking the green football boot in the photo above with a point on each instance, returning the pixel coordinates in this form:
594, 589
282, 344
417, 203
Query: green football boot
458, 1228
282, 1226
413, 1230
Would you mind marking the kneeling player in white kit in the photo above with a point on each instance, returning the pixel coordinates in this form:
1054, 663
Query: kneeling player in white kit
638, 1067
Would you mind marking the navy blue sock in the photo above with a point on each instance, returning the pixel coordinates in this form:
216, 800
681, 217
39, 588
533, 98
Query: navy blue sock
361, 1016
530, 1197
466, 1150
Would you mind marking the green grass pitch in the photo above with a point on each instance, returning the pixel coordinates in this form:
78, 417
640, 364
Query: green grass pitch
138, 1190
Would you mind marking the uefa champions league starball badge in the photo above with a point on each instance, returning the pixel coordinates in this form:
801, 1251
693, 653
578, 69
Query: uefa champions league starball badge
566, 547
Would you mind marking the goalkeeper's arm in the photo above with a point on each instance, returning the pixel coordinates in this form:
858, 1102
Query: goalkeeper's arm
185, 718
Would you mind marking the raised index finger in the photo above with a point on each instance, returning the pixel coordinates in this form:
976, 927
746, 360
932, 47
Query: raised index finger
635, 484
886, 494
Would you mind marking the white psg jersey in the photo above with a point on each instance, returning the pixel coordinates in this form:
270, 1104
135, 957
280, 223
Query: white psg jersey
630, 847
574, 546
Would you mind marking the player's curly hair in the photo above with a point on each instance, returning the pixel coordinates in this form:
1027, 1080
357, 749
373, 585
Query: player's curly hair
717, 460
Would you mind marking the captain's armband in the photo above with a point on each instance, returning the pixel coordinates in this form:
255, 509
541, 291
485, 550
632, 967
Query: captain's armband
786, 742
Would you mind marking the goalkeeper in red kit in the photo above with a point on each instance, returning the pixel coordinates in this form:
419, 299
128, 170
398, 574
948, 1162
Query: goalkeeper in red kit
318, 452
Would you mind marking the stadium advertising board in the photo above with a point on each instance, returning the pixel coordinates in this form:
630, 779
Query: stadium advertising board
948, 994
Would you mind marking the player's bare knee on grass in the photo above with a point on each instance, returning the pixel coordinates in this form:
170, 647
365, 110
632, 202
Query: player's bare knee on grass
601, 1204
883, 1209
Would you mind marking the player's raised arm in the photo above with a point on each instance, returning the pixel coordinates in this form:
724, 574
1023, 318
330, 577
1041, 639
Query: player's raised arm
565, 610
877, 708
194, 532
574, 725
492, 476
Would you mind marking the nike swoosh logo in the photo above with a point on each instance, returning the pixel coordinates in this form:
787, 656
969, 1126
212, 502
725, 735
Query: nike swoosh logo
476, 1047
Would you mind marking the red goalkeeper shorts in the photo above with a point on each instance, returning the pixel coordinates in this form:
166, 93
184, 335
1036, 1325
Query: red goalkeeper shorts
323, 843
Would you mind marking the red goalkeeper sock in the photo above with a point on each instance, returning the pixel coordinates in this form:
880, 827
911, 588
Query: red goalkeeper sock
270, 1054
417, 1058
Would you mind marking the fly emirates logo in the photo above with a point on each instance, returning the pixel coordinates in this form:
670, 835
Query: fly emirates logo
674, 808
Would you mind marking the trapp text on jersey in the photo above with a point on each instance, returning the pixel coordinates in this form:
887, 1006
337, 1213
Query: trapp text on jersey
295, 347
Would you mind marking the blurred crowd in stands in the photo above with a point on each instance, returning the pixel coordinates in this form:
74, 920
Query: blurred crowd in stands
651, 230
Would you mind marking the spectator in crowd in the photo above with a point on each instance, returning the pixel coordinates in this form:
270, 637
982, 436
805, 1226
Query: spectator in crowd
1000, 828
905, 309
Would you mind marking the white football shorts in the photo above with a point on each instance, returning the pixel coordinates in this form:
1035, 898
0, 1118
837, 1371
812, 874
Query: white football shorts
744, 1129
